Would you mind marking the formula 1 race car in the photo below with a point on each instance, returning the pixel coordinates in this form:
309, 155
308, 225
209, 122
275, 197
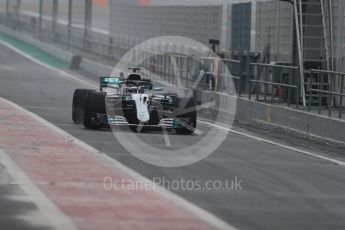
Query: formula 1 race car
133, 102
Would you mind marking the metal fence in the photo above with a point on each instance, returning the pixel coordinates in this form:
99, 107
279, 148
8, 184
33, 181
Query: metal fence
267, 83
332, 89
220, 76
275, 84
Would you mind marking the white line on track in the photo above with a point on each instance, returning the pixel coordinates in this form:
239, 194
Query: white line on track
61, 72
45, 108
208, 217
177, 200
83, 81
7, 68
219, 126
44, 204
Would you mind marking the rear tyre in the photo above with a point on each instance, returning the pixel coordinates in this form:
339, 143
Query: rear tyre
94, 104
78, 104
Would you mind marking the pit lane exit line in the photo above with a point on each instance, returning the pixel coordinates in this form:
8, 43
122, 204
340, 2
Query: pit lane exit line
81, 80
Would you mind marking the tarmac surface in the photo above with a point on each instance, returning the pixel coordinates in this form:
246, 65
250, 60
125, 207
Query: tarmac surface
280, 188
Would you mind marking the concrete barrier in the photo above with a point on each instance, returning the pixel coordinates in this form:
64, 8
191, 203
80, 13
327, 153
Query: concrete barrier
279, 118
272, 117
95, 68
50, 49
65, 55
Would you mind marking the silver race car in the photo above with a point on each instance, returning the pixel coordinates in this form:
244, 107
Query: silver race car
133, 102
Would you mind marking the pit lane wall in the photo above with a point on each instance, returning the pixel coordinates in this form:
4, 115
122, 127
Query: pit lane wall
278, 118
65, 55
271, 117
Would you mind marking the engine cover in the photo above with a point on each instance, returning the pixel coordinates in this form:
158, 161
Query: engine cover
143, 114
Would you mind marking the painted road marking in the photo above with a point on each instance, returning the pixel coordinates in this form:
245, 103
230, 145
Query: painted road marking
34, 51
44, 204
80, 79
221, 126
181, 202
61, 72
170, 196
45, 108
7, 68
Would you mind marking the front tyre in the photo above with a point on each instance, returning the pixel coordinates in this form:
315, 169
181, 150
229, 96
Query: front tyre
78, 105
94, 104
188, 127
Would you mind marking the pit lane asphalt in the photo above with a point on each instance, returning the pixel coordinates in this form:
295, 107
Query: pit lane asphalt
17, 211
281, 189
